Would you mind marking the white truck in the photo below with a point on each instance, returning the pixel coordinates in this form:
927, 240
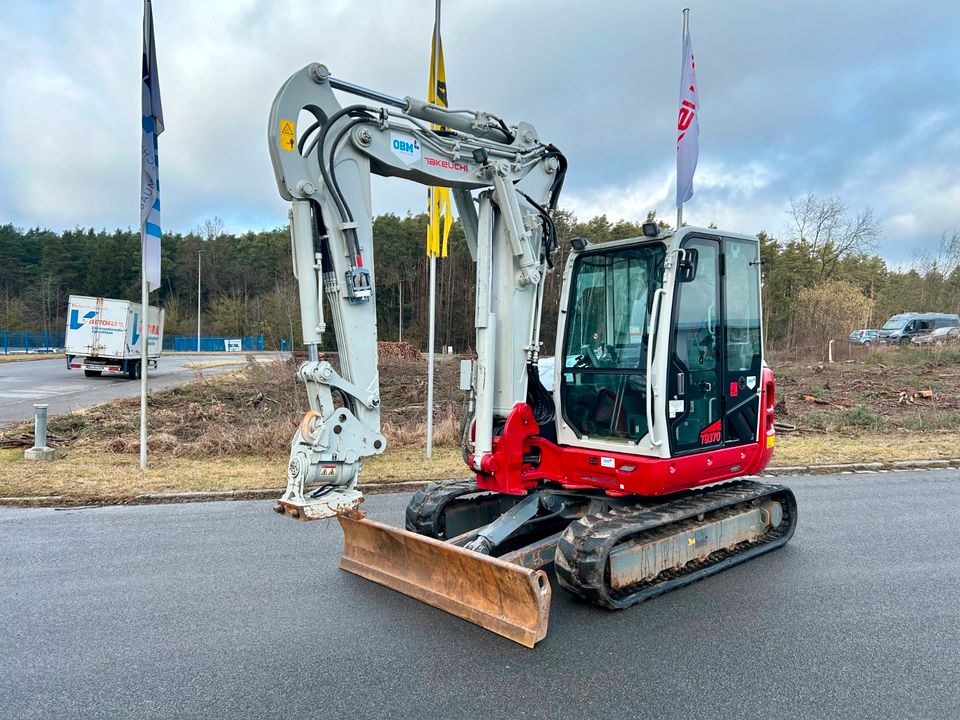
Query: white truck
104, 335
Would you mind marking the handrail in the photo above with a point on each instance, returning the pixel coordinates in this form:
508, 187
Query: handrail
651, 345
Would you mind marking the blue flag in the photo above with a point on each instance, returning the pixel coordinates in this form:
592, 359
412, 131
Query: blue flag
150, 176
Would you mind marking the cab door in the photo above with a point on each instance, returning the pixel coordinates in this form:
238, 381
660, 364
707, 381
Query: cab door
743, 351
695, 370
713, 384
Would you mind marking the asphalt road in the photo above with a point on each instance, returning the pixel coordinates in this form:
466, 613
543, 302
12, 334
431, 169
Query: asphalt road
49, 381
226, 610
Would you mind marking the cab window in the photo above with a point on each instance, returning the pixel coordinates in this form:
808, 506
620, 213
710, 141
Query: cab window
604, 380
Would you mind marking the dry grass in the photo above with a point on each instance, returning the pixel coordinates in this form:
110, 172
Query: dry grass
826, 449
402, 465
86, 476
446, 431
204, 364
90, 477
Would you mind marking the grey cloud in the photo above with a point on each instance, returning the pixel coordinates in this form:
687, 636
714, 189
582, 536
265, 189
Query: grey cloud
856, 98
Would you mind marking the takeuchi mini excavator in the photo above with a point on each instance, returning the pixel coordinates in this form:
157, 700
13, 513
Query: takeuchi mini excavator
628, 475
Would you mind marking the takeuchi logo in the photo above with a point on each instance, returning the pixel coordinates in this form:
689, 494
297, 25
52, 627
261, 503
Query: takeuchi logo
448, 165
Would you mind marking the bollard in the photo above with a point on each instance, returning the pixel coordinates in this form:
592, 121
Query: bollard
39, 451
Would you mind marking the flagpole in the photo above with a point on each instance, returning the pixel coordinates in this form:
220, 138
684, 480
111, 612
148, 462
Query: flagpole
433, 302
152, 126
683, 34
435, 64
145, 341
144, 291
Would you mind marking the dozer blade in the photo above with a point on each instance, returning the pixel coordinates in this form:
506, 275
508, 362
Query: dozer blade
510, 600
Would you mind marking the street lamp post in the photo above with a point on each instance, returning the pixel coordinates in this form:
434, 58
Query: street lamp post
199, 254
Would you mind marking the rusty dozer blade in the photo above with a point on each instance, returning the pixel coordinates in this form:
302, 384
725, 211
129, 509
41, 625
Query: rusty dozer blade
507, 599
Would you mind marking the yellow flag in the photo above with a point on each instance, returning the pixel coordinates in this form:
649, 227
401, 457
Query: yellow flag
438, 198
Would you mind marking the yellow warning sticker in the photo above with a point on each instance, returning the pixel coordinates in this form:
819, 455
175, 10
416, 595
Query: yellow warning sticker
771, 439
691, 541
288, 135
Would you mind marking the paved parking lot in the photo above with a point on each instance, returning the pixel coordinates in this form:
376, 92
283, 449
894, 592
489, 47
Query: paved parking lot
225, 610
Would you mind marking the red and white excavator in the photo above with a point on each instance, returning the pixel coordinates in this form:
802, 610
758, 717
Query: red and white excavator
628, 476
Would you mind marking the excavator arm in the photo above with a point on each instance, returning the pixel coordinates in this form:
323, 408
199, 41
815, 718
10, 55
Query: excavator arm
505, 183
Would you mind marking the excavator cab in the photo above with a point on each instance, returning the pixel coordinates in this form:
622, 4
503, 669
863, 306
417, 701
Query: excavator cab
708, 392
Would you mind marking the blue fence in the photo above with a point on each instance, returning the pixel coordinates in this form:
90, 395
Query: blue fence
252, 343
17, 341
39, 341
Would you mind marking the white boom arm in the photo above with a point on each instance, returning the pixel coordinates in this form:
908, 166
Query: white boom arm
324, 170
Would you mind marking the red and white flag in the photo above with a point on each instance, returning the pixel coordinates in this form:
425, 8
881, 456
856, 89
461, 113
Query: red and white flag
688, 124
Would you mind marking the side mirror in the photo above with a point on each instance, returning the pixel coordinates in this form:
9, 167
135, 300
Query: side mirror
687, 270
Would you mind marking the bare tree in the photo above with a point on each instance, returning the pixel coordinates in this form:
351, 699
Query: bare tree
828, 310
922, 261
211, 229
43, 294
948, 259
829, 234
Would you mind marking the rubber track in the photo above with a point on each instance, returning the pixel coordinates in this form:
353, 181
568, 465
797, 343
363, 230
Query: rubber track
425, 510
584, 548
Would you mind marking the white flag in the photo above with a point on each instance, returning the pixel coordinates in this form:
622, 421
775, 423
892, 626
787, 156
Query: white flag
152, 122
688, 125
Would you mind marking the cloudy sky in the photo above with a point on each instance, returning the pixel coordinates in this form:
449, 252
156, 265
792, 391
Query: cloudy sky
859, 99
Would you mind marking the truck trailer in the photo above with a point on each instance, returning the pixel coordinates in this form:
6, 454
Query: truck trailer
104, 335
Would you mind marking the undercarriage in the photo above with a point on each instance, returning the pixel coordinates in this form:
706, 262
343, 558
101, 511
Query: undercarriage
612, 552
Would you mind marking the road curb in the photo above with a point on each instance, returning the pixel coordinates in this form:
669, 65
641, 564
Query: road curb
31, 500
413, 486
270, 493
836, 468
203, 496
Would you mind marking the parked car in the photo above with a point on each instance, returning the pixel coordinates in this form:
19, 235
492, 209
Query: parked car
863, 337
938, 337
901, 329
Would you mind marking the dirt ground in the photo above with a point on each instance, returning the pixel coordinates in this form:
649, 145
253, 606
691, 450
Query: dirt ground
893, 391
